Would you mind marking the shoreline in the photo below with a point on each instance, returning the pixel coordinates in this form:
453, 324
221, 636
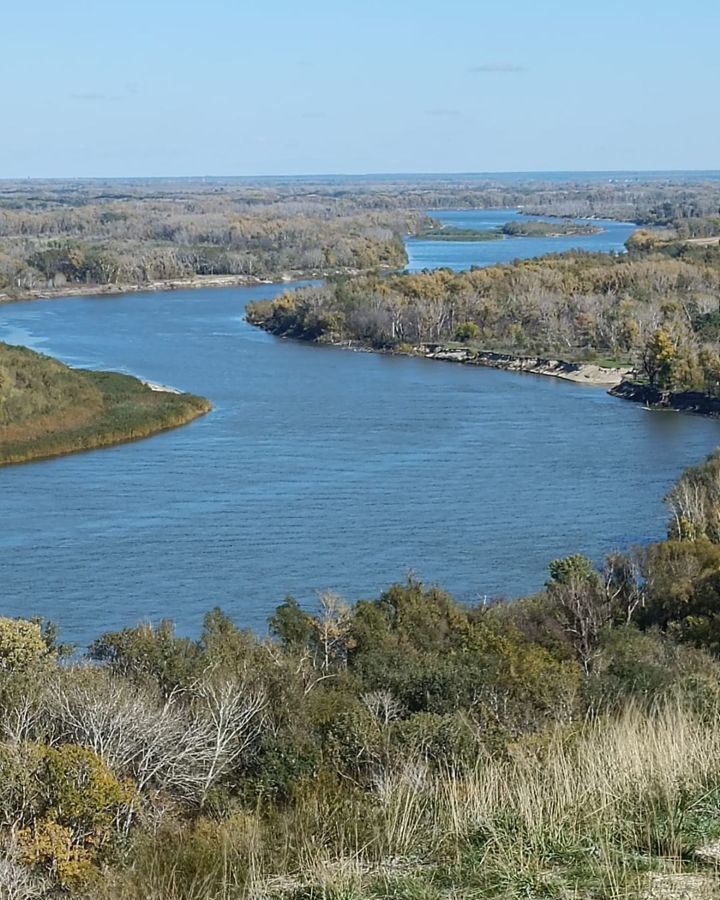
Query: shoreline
110, 290
615, 379
577, 372
168, 285
115, 440
695, 403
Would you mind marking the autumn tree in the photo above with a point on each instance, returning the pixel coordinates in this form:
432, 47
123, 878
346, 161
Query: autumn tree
658, 358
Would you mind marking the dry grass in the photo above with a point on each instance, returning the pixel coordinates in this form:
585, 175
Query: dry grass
589, 814
48, 409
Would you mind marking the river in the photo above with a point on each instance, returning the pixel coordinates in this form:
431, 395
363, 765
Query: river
424, 254
318, 469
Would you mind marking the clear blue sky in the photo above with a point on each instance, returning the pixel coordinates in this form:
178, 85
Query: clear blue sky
231, 87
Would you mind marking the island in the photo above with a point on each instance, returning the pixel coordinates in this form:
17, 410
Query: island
644, 323
434, 230
543, 228
438, 232
49, 409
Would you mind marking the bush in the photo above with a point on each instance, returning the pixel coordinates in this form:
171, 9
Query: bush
443, 741
65, 805
467, 331
21, 644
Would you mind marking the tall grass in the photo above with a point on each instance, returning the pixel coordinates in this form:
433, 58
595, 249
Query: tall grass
588, 813
48, 409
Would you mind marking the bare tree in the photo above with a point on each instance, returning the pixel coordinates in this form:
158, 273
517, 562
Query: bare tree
694, 503
383, 706
225, 718
184, 744
624, 587
16, 881
586, 612
333, 630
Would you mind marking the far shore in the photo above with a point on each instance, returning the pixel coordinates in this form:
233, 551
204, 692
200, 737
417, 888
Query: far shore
170, 284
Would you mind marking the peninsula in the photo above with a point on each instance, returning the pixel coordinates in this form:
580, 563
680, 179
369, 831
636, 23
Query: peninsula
49, 409
650, 313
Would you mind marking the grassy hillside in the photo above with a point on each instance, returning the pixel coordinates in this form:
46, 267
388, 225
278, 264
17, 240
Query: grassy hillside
564, 746
47, 408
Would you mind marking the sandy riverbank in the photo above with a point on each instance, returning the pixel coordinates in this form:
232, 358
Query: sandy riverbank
170, 284
581, 373
162, 388
578, 372
174, 284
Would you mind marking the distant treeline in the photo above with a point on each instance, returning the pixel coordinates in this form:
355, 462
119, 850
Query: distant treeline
54, 233
548, 229
84, 237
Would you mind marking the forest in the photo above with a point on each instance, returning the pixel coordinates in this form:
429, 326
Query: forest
406, 746
59, 236
113, 232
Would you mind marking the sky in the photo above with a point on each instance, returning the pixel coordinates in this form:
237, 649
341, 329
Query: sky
230, 87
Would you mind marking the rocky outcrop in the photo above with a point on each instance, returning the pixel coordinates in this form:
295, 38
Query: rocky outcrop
586, 373
682, 401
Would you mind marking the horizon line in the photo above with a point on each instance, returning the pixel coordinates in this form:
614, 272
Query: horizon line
364, 175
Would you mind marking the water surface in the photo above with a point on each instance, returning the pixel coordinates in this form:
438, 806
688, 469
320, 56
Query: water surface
464, 254
319, 468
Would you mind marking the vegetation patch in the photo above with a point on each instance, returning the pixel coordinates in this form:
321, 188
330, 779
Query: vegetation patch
544, 228
408, 746
655, 308
47, 408
434, 232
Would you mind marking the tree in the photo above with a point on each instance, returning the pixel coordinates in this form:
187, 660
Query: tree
467, 331
16, 882
658, 358
184, 743
149, 653
709, 362
624, 587
694, 502
291, 625
683, 591
582, 603
333, 631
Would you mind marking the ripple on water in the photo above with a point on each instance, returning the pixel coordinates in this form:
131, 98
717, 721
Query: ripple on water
318, 469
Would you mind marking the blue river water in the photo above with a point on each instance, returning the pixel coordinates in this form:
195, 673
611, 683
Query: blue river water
463, 254
318, 469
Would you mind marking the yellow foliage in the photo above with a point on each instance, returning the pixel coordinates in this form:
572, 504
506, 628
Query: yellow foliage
52, 847
21, 643
69, 803
82, 790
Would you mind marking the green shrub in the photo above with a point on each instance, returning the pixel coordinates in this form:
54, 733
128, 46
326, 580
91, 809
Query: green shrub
21, 644
467, 331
